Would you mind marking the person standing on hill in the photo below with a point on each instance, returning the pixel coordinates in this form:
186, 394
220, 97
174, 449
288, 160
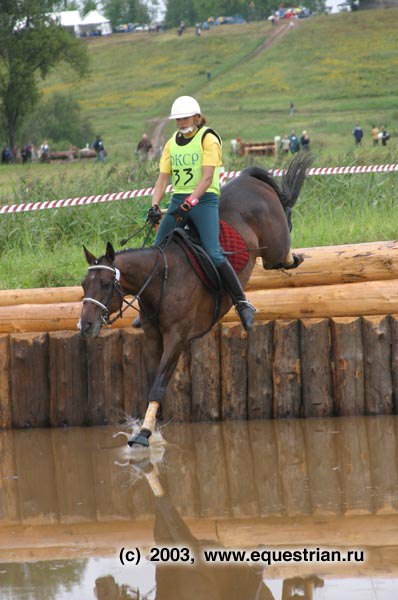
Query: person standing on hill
98, 146
357, 132
193, 157
375, 135
294, 142
385, 136
305, 141
143, 148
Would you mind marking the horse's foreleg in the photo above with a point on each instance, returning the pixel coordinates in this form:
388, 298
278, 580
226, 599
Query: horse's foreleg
171, 353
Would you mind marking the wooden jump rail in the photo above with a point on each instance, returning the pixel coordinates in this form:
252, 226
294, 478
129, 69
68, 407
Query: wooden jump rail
316, 350
285, 368
257, 148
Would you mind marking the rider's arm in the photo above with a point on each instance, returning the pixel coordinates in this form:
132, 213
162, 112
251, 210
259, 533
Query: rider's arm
160, 188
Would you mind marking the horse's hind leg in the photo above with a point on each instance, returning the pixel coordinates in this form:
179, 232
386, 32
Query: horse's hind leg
173, 347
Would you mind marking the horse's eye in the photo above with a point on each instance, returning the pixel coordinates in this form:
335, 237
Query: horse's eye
106, 285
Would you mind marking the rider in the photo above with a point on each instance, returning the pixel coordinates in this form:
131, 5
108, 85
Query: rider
192, 157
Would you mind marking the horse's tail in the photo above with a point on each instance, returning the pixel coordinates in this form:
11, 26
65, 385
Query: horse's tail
292, 182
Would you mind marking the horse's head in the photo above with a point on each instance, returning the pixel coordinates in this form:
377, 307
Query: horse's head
102, 293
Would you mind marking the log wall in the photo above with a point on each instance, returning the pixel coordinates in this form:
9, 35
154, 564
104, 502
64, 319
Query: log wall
286, 368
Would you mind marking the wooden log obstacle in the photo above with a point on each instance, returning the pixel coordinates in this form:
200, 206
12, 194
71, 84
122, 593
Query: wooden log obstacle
325, 343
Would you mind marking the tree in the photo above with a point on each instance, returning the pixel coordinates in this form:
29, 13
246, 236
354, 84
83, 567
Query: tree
126, 11
89, 5
31, 45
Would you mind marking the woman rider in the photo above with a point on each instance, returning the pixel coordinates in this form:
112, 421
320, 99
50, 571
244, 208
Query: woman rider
192, 157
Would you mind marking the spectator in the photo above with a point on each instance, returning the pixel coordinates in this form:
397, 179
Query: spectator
357, 132
98, 146
291, 109
6, 156
198, 29
305, 141
294, 142
375, 135
44, 152
385, 136
208, 75
143, 148
285, 144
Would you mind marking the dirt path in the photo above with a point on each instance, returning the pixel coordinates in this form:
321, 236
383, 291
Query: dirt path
277, 34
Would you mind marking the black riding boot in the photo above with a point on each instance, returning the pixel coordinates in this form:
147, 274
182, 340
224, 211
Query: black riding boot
245, 310
137, 323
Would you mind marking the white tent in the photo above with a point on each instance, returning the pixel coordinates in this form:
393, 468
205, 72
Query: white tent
70, 19
94, 21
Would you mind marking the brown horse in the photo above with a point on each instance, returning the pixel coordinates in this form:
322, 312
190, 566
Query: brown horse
175, 306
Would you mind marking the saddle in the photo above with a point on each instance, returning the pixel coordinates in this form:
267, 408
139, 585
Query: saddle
234, 247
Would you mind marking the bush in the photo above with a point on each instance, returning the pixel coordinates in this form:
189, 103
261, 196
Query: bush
58, 119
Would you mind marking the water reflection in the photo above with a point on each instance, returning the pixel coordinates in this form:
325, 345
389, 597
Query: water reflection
69, 498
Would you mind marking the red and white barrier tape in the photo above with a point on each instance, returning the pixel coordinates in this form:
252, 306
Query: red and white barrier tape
84, 200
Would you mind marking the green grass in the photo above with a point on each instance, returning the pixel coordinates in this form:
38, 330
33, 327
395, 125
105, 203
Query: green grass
337, 70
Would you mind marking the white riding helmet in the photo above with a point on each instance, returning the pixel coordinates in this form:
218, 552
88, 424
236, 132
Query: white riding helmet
184, 106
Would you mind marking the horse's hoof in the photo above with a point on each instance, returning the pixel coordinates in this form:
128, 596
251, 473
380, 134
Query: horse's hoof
139, 440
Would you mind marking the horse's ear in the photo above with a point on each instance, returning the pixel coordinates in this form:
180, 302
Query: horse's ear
110, 252
90, 258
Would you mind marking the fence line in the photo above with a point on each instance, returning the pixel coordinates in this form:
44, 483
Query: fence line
111, 197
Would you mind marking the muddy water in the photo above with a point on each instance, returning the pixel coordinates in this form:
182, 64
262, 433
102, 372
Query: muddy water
70, 500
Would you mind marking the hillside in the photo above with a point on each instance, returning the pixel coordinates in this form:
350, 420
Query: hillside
337, 69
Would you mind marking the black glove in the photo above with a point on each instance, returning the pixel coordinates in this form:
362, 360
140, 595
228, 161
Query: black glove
181, 212
154, 215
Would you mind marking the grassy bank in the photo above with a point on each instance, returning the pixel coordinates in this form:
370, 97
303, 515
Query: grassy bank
45, 248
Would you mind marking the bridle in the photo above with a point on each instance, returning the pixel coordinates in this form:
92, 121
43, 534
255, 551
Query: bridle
105, 320
115, 287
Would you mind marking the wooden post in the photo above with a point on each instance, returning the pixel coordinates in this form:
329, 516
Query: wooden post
9, 500
316, 369
286, 369
134, 374
182, 484
293, 466
382, 442
211, 470
347, 363
5, 383
105, 378
233, 372
322, 464
267, 476
377, 361
353, 452
238, 458
177, 401
394, 358
205, 377
68, 379
74, 474
260, 353
38, 499
30, 380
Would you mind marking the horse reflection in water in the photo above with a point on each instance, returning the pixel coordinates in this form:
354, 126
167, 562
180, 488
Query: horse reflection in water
175, 306
201, 580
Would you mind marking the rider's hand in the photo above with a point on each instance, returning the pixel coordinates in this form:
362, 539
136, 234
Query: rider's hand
154, 215
181, 211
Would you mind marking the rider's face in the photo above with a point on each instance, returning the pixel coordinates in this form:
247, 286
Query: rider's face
185, 123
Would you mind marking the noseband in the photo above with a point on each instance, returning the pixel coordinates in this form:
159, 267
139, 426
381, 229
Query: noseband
115, 286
